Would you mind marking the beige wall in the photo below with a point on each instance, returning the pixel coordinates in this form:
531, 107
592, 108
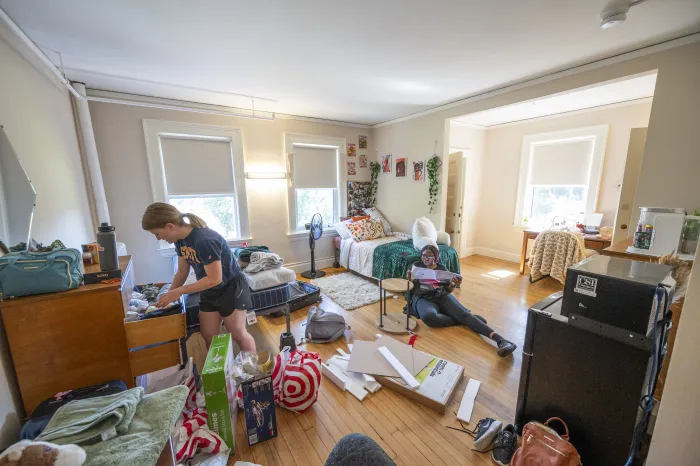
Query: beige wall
36, 113
501, 169
122, 151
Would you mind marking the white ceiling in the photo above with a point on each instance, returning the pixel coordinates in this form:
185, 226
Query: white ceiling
362, 61
626, 90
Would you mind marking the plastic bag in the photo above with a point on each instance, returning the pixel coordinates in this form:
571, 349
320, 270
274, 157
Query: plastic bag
187, 376
296, 379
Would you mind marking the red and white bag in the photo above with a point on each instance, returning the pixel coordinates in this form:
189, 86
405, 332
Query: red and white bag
296, 379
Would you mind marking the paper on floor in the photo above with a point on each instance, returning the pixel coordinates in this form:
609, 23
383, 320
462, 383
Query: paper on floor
336, 369
466, 406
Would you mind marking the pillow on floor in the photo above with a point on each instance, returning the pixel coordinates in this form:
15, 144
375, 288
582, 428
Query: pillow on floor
376, 215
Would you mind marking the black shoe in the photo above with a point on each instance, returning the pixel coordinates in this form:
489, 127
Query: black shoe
505, 348
486, 430
480, 318
506, 442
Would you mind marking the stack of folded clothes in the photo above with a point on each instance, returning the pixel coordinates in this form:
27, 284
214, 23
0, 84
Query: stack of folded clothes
263, 269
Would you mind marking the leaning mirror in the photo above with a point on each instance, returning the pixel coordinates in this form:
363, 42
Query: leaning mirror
17, 197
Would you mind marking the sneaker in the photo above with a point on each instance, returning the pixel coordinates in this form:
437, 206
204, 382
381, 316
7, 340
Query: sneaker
486, 430
506, 442
505, 348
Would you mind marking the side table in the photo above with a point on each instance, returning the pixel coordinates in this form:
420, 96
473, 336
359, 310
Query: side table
393, 322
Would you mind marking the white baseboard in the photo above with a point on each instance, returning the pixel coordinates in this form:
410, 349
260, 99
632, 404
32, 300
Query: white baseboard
495, 253
468, 252
303, 266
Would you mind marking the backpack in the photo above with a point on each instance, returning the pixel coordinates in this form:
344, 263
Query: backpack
543, 445
323, 327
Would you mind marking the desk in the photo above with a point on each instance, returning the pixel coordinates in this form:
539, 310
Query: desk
590, 241
620, 250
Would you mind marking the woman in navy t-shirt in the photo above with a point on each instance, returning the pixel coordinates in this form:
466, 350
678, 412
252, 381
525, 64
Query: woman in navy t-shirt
224, 291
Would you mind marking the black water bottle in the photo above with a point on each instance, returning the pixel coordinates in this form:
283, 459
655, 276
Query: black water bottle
107, 241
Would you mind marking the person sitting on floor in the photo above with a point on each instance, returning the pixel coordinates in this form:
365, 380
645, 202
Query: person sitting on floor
436, 306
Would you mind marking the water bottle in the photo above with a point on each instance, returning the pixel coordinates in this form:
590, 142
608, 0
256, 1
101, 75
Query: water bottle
107, 241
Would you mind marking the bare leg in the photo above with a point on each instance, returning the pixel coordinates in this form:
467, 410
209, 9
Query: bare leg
235, 325
209, 325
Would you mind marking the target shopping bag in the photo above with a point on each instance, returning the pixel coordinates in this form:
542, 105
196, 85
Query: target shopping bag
296, 378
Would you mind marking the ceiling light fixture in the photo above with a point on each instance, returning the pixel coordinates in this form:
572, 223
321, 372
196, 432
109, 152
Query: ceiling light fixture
615, 12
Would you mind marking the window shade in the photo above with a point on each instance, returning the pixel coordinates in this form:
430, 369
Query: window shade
314, 168
566, 163
194, 166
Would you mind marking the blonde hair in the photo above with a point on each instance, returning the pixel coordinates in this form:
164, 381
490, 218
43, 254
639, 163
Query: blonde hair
159, 214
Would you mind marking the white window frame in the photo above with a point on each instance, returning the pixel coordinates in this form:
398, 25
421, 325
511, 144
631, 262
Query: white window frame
599, 136
153, 130
323, 142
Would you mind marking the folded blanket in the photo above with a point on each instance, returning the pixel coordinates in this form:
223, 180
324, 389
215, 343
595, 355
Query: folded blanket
244, 253
88, 421
263, 261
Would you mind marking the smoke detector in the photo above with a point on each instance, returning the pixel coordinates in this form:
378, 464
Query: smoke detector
615, 12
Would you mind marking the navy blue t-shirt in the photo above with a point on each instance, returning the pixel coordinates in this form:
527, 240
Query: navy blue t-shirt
204, 246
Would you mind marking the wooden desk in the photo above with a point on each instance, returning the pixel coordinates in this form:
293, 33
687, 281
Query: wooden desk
77, 338
590, 241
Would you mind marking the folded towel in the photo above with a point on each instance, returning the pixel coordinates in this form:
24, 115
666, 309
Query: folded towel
244, 253
88, 421
260, 261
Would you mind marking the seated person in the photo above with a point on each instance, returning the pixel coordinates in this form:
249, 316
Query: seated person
438, 308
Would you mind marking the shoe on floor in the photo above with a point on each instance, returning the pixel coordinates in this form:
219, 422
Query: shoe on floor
505, 445
505, 348
486, 431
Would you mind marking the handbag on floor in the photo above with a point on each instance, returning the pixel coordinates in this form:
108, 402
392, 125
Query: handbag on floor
296, 379
28, 273
324, 327
543, 445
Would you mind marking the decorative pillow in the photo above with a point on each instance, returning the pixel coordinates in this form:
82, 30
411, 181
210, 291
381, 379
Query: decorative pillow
376, 215
342, 229
365, 230
361, 217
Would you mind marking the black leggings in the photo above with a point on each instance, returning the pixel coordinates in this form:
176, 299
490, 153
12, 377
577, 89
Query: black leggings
446, 311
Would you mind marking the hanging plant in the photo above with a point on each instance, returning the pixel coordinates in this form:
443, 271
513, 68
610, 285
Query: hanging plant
433, 165
374, 168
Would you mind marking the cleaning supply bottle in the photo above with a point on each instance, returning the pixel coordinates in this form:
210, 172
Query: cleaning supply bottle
107, 241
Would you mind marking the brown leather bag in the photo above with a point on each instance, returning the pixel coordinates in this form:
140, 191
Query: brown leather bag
542, 446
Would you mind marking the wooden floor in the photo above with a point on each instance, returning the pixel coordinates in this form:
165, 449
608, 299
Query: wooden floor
410, 433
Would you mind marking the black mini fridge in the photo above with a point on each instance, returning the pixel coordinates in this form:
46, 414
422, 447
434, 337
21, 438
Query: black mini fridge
590, 380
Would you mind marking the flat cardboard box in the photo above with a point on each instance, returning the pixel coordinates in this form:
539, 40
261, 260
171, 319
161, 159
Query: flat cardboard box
220, 389
438, 381
365, 357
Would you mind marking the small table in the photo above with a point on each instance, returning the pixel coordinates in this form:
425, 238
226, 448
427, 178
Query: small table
591, 242
393, 322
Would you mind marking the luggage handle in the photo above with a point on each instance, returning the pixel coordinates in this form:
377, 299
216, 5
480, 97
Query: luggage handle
566, 428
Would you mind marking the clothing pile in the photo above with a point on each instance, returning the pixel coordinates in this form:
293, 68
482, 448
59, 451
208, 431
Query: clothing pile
260, 261
143, 299
262, 268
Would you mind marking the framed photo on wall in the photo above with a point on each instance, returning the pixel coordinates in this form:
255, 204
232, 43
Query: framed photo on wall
351, 168
363, 160
352, 150
418, 173
386, 163
363, 142
401, 168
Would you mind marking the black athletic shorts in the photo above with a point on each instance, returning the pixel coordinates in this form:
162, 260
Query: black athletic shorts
235, 295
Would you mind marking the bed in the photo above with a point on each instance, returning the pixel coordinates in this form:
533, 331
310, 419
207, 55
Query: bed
388, 257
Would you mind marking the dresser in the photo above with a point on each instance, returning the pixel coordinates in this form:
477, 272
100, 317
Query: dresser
72, 339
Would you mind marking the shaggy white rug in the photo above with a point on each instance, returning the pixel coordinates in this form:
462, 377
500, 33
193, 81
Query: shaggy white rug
348, 290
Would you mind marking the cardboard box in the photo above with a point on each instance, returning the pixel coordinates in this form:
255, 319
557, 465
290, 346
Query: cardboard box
259, 409
220, 389
438, 381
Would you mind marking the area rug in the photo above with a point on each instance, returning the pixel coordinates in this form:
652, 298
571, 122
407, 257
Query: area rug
348, 290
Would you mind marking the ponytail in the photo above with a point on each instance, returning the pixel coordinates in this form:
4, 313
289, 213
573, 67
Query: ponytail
159, 214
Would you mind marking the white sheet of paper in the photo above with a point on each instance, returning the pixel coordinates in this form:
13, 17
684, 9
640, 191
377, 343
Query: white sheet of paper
466, 406
420, 273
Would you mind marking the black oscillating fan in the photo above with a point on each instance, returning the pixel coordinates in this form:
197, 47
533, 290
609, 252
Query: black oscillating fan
315, 231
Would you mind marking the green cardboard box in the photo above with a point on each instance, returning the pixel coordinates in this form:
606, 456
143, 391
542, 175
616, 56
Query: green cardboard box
220, 389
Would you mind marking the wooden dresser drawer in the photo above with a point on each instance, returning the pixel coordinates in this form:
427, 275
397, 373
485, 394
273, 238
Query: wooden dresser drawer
154, 343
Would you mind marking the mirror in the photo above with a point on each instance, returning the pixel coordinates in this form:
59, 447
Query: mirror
17, 196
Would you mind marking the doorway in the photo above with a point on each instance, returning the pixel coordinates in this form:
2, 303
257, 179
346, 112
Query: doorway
456, 168
633, 166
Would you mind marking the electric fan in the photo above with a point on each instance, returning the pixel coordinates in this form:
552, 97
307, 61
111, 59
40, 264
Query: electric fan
315, 231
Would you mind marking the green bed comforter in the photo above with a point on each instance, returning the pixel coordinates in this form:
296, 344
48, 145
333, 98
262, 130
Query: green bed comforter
392, 260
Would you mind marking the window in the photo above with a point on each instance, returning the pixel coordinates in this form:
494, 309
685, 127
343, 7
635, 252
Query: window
316, 180
559, 176
199, 169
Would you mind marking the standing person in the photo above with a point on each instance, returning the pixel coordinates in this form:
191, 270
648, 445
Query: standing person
224, 291
438, 308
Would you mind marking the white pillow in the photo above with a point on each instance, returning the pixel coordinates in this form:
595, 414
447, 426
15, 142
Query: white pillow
376, 215
424, 233
342, 229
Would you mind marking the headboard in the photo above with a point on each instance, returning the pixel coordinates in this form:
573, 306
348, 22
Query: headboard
358, 198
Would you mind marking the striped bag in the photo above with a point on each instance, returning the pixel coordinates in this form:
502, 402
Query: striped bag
296, 379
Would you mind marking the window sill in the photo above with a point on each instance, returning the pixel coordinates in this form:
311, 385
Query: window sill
234, 243
304, 234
